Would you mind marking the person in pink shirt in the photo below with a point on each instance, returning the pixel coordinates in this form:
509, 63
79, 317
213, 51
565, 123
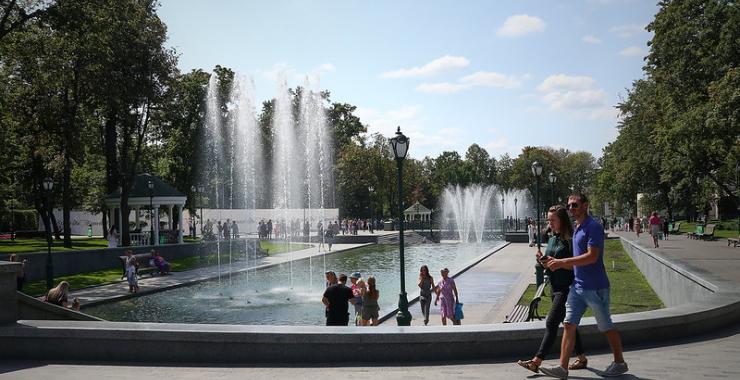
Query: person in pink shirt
655, 227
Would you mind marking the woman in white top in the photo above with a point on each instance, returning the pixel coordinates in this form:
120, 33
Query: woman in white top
531, 230
112, 237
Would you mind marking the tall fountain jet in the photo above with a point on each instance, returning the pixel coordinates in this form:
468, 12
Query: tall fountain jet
469, 208
213, 136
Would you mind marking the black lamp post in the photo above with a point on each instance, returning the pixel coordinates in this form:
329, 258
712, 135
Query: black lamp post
503, 216
370, 192
516, 214
48, 186
150, 185
737, 190
553, 178
537, 171
400, 145
201, 190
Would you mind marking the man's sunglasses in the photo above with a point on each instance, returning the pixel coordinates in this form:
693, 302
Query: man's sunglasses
572, 206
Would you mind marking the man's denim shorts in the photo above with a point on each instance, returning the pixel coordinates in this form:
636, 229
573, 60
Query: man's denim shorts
597, 300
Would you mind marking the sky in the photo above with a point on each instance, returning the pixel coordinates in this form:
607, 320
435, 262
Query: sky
501, 74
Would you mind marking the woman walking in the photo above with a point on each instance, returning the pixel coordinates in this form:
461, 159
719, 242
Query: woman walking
370, 307
426, 285
447, 292
559, 246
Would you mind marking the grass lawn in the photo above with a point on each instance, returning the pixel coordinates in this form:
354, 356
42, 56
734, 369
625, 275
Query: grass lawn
630, 291
275, 248
39, 245
719, 234
112, 275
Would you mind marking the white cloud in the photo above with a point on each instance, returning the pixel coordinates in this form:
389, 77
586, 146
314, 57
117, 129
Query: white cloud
520, 25
632, 51
477, 79
405, 113
577, 95
434, 67
491, 79
628, 30
277, 69
591, 40
562, 82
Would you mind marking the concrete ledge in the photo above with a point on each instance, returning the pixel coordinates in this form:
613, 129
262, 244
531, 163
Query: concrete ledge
187, 343
32, 308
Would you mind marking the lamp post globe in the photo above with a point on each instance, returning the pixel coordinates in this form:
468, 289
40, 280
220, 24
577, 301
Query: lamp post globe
537, 171
48, 185
553, 178
150, 185
400, 146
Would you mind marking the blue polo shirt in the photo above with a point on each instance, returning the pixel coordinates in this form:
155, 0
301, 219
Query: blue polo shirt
592, 276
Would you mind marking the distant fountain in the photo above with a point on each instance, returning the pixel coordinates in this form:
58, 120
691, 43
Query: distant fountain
469, 208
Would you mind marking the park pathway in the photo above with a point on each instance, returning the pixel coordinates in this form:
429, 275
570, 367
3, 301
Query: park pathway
149, 284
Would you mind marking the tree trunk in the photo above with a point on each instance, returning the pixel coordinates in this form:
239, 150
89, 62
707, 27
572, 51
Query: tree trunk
67, 201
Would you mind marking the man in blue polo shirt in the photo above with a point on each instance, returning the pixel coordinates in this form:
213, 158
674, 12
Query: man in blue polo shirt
589, 290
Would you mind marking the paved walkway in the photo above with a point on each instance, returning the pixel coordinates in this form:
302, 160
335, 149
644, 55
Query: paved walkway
149, 283
490, 289
710, 357
713, 257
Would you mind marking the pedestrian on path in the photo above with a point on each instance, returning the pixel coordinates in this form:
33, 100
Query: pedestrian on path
531, 230
426, 285
589, 290
131, 266
447, 292
558, 247
655, 227
638, 227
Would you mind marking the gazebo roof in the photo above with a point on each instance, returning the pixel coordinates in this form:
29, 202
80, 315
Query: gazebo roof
140, 188
417, 208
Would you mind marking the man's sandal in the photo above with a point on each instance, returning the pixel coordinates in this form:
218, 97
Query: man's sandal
578, 364
530, 365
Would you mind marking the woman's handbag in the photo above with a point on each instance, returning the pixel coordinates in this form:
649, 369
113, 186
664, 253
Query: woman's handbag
459, 311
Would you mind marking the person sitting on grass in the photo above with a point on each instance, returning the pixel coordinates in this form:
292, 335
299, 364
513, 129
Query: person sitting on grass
59, 296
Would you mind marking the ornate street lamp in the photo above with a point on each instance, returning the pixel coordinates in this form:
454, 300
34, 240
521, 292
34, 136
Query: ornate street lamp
553, 178
503, 217
400, 145
150, 185
537, 171
516, 214
48, 186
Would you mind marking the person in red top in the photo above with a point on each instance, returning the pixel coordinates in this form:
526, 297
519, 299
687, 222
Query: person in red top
655, 227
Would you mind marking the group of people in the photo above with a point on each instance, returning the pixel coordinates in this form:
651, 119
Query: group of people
132, 266
226, 230
364, 295
574, 263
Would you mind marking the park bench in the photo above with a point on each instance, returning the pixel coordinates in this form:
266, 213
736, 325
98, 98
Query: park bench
675, 228
732, 241
697, 232
708, 233
144, 267
524, 313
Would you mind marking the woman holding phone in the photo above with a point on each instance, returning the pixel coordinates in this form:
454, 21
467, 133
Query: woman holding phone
559, 246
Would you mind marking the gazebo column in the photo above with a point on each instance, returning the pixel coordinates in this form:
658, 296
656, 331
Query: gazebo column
156, 224
137, 216
179, 224
171, 218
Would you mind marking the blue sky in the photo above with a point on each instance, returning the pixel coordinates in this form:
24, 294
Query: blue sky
502, 74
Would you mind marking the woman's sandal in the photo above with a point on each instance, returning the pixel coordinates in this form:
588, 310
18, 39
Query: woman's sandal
578, 364
530, 365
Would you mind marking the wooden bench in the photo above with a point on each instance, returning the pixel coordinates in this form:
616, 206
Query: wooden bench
708, 233
732, 241
144, 267
524, 313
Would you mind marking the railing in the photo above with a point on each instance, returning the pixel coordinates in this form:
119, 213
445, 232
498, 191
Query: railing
140, 238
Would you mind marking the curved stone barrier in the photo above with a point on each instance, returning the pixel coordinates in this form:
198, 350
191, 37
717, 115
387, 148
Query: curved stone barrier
718, 306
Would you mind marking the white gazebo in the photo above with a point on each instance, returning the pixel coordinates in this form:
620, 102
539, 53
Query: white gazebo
149, 191
417, 211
